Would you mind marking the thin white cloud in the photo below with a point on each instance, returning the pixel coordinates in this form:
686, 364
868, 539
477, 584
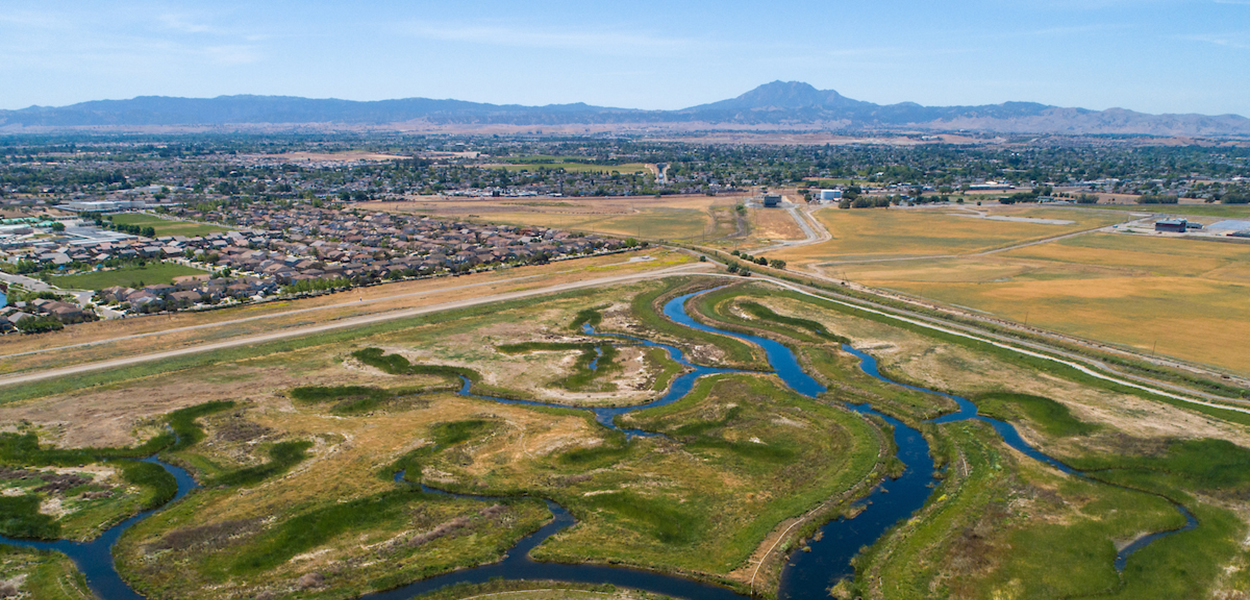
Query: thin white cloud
602, 42
186, 24
1238, 41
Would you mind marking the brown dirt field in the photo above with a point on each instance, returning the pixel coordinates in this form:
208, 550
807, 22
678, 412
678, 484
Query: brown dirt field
773, 225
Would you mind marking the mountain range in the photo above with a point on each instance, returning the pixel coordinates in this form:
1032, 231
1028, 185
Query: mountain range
774, 106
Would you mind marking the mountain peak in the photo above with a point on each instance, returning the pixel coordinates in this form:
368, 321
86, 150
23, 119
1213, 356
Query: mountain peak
781, 95
785, 94
776, 104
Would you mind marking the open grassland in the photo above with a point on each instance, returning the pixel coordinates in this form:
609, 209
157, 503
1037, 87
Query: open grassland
166, 332
744, 454
655, 223
301, 499
1182, 298
129, 276
1000, 525
166, 227
1010, 527
867, 234
667, 218
42, 575
773, 225
1229, 211
535, 166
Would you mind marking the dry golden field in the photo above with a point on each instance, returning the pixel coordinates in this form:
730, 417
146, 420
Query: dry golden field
871, 234
668, 218
1178, 297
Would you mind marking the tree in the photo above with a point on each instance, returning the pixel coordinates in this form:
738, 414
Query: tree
148, 231
39, 324
1236, 196
777, 263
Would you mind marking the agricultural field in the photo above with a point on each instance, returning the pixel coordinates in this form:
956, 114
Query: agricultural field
133, 276
309, 452
166, 227
668, 218
570, 164
101, 338
1179, 297
773, 225
881, 234
1227, 211
1003, 525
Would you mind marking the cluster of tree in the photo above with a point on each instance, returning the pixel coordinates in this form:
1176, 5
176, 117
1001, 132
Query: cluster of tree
103, 223
1157, 199
759, 260
865, 202
1240, 195
1087, 199
39, 324
307, 286
733, 267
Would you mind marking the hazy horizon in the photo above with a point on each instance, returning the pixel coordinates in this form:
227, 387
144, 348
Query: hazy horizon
1153, 56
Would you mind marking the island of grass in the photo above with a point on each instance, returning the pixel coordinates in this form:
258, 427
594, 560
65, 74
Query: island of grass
301, 497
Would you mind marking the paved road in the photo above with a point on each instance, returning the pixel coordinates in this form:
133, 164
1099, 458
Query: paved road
29, 283
1089, 366
1086, 365
344, 323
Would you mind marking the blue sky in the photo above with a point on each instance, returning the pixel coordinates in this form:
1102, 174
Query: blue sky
1148, 55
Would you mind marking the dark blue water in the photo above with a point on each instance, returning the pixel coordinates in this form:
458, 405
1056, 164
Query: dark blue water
606, 416
1009, 434
95, 558
810, 574
517, 564
807, 574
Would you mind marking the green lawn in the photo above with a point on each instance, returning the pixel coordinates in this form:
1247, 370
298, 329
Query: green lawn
165, 227
131, 276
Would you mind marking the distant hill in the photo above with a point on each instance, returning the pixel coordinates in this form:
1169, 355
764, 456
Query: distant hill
776, 105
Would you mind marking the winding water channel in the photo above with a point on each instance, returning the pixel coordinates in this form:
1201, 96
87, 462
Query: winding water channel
806, 575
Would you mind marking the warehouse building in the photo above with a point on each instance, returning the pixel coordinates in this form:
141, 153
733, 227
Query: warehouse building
1172, 225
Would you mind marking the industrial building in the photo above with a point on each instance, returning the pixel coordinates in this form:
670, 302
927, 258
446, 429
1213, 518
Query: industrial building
771, 200
1173, 225
830, 195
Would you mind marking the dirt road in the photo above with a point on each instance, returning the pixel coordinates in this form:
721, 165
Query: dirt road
345, 323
